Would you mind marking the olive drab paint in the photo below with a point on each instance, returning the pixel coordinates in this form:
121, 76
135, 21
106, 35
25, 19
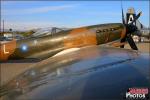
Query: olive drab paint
47, 46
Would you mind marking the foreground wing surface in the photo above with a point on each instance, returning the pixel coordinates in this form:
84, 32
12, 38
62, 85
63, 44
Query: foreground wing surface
89, 73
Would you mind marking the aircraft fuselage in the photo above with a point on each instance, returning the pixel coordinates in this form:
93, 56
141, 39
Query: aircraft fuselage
47, 46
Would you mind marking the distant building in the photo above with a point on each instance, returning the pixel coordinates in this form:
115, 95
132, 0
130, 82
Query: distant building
7, 36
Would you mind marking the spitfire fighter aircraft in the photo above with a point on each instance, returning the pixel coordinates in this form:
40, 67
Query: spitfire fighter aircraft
46, 46
91, 72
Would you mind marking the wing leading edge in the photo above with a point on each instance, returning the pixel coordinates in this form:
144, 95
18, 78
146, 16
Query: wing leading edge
90, 73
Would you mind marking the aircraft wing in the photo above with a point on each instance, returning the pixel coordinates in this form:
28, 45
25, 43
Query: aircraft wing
88, 73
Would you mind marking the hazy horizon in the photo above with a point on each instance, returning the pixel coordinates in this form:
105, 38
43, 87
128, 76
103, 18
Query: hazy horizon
25, 15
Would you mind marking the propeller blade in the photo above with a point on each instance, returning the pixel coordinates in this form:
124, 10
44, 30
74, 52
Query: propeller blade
131, 42
122, 41
139, 14
123, 20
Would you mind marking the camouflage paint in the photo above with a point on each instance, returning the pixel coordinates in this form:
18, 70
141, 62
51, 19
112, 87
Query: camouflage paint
47, 46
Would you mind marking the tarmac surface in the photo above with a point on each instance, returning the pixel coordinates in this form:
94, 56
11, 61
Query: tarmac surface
9, 70
143, 47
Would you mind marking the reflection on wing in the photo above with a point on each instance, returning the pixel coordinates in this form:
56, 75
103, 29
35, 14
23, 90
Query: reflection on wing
90, 73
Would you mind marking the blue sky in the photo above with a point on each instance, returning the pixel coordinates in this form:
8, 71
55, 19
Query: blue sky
35, 14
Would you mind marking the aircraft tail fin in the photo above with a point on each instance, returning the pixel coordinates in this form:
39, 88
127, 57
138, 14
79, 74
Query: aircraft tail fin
130, 16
